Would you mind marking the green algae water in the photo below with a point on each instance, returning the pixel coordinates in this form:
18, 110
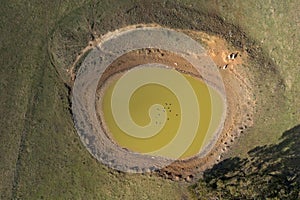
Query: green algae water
169, 116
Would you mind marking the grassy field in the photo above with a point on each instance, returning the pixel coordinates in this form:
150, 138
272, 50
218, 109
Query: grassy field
41, 153
42, 156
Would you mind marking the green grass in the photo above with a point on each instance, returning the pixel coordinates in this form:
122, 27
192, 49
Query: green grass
274, 26
41, 153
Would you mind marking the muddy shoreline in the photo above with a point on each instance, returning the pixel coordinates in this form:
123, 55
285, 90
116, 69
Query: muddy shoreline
238, 99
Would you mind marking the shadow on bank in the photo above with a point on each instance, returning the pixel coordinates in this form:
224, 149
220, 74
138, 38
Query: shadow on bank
271, 171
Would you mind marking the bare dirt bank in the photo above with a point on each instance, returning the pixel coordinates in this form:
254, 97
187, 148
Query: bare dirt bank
238, 92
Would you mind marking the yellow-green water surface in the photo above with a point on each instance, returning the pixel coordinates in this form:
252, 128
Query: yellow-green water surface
149, 94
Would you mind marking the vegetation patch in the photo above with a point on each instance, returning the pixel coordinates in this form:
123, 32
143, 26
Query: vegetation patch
41, 151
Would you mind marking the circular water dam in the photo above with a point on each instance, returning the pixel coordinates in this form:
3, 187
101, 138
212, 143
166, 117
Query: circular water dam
146, 97
159, 111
